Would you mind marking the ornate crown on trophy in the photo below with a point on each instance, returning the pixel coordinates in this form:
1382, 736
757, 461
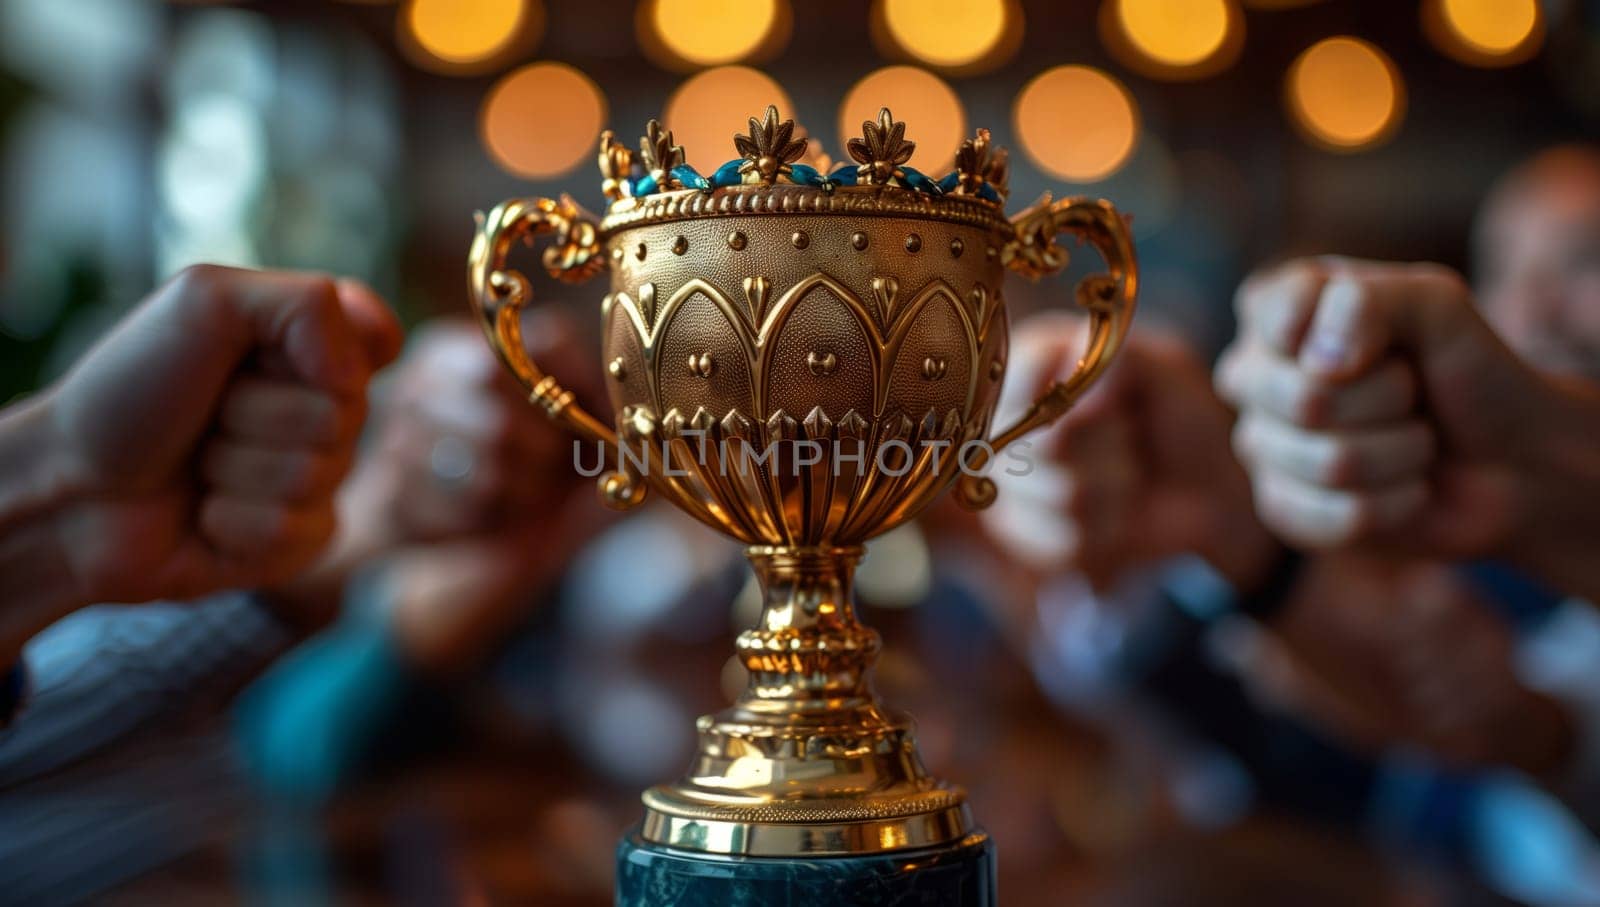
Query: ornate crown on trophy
770, 154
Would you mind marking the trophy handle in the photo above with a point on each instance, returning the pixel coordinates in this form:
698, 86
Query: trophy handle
1108, 298
500, 293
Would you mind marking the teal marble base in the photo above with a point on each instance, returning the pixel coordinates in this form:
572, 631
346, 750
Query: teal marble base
957, 875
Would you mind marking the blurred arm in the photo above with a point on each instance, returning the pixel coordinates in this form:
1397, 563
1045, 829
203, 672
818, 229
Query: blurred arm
194, 449
106, 671
1561, 660
1153, 646
36, 582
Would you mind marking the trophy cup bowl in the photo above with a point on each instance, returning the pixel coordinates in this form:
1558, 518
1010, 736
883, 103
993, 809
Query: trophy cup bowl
803, 360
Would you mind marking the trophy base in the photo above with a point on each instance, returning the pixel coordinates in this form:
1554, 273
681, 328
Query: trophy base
818, 827
958, 874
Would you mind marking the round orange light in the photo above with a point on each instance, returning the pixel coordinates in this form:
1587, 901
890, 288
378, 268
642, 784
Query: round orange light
947, 33
934, 117
1485, 32
708, 109
542, 120
710, 32
1345, 94
1492, 26
1175, 32
459, 33
1173, 39
1076, 123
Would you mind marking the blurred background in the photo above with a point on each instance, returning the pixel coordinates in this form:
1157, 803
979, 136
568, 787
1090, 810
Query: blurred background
360, 137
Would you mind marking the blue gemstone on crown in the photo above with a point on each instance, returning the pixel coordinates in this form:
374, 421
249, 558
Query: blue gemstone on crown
691, 178
914, 179
727, 175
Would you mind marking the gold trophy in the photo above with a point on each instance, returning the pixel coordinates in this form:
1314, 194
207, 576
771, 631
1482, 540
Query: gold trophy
802, 360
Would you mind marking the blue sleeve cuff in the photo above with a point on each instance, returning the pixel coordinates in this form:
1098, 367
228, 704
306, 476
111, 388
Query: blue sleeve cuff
1206, 596
13, 692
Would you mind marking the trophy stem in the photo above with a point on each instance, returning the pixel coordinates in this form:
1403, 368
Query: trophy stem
806, 761
808, 658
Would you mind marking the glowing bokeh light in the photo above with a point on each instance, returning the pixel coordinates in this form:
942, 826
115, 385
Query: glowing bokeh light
542, 120
707, 110
712, 32
1345, 94
1076, 123
947, 33
464, 32
934, 117
1492, 26
1178, 33
1485, 32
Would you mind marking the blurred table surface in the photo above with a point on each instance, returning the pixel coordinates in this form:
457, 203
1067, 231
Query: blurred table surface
506, 821
501, 812
484, 830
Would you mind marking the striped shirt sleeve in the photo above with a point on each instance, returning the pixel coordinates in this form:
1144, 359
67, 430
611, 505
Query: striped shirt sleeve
104, 672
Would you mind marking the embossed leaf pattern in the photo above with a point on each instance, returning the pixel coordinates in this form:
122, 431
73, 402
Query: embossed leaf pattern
980, 163
881, 149
999, 172
616, 164
972, 160
825, 370
769, 148
658, 152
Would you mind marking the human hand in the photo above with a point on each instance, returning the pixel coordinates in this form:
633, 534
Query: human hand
463, 440
198, 445
1138, 471
1378, 407
467, 500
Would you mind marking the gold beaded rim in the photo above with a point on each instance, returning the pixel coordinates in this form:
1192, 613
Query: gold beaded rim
870, 201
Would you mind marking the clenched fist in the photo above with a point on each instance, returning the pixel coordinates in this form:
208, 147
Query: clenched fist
494, 509
196, 448
466, 500
1378, 406
1138, 471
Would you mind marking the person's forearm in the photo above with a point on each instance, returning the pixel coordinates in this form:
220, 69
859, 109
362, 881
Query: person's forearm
37, 584
1243, 552
1561, 504
1540, 738
1237, 544
313, 599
